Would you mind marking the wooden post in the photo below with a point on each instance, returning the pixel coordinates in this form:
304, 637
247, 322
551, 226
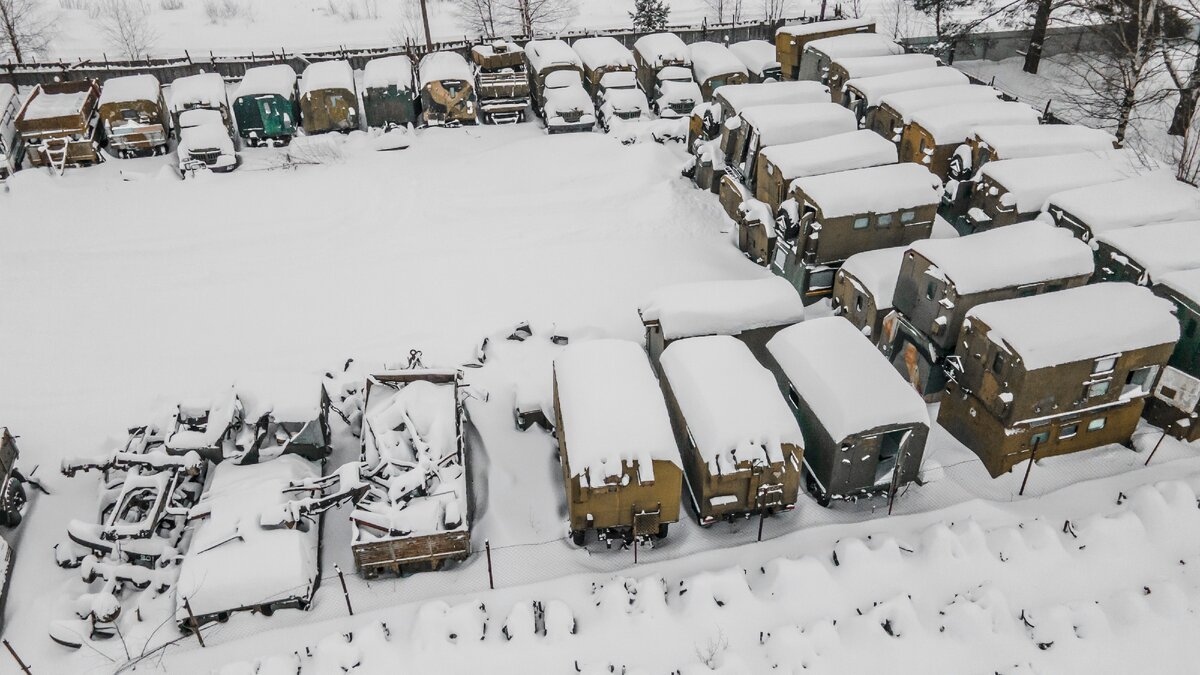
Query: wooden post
195, 625
1160, 440
1032, 458
487, 546
24, 668
635, 546
345, 591
425, 22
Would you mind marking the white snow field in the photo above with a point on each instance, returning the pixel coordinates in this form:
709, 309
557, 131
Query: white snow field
124, 291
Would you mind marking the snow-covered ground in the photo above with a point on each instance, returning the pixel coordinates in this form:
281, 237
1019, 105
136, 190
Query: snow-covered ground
126, 290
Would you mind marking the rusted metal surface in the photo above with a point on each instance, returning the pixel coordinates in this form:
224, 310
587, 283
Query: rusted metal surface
134, 127
70, 137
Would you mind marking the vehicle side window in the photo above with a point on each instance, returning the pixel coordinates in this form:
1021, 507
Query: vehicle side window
861, 222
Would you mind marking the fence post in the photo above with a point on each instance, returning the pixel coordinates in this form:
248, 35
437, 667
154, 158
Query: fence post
24, 668
1160, 440
487, 545
192, 619
345, 591
1032, 457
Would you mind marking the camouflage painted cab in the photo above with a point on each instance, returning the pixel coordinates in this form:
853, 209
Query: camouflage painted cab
1175, 405
759, 58
864, 427
328, 98
134, 116
200, 92
447, 90
714, 66
501, 82
60, 124
621, 469
741, 445
790, 41
389, 99
264, 105
12, 147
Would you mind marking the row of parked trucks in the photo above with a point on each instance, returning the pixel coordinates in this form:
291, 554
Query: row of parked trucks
904, 190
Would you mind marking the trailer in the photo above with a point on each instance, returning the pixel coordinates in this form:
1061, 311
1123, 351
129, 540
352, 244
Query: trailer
415, 513
135, 116
60, 124
501, 82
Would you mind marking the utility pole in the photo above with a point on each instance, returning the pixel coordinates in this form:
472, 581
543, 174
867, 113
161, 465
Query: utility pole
425, 22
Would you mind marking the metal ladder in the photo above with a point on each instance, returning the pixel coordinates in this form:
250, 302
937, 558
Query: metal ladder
57, 158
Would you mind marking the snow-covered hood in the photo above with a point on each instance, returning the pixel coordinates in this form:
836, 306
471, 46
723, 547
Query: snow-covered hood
207, 136
568, 99
624, 100
679, 92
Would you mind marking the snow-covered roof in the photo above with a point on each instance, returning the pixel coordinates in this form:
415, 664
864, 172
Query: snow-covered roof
1024, 253
876, 87
612, 410
327, 75
732, 404
710, 59
130, 88
233, 561
387, 71
723, 307
205, 89
43, 105
792, 123
756, 55
815, 27
854, 44
877, 272
596, 52
954, 123
1030, 181
1081, 323
839, 152
870, 66
7, 93
662, 48
203, 133
1155, 197
439, 66
742, 96
909, 102
844, 379
877, 189
543, 53
1159, 249
1023, 140
1186, 283
278, 79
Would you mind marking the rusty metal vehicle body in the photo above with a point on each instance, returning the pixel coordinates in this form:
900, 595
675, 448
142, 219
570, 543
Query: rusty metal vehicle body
60, 124
135, 116
447, 90
845, 69
329, 98
819, 55
412, 518
389, 98
932, 135
12, 146
544, 58
714, 66
863, 94
1175, 404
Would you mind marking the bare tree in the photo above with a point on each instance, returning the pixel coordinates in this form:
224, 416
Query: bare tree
25, 30
126, 26
774, 10
1122, 77
898, 18
485, 17
731, 9
533, 16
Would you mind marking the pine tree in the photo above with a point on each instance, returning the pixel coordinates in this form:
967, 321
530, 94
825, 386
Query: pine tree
649, 15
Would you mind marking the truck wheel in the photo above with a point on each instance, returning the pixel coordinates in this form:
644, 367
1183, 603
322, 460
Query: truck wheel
662, 530
579, 537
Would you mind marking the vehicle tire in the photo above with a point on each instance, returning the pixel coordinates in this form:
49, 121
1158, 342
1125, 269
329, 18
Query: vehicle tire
223, 617
266, 610
579, 537
662, 530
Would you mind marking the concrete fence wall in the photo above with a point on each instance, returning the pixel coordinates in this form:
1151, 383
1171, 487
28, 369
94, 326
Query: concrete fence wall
234, 67
1000, 45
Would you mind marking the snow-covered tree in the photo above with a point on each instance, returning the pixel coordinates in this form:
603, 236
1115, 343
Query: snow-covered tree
650, 15
126, 26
